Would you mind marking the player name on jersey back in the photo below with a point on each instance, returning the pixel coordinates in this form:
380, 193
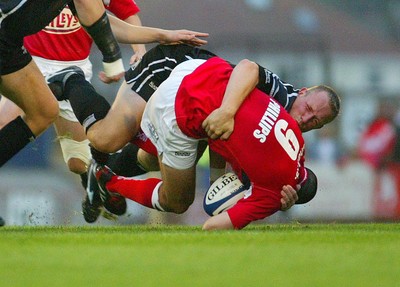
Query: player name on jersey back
267, 121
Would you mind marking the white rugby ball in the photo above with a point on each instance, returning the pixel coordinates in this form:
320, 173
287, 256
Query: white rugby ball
223, 194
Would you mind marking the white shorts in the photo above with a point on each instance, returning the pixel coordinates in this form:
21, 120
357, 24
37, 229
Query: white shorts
159, 121
48, 67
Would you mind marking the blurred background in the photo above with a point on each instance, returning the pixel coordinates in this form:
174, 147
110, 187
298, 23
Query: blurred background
353, 46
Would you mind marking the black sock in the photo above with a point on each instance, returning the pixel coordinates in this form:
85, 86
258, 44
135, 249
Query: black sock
98, 156
125, 162
84, 178
14, 137
87, 104
56, 89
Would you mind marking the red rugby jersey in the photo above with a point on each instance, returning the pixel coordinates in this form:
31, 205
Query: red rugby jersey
377, 142
266, 143
64, 39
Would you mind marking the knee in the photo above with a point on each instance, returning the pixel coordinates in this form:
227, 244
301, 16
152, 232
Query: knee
101, 144
179, 206
76, 165
50, 112
44, 117
104, 144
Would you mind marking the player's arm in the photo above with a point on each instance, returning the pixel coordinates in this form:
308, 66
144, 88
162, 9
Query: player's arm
304, 192
244, 78
218, 222
89, 11
128, 11
138, 49
240, 215
92, 16
130, 34
306, 188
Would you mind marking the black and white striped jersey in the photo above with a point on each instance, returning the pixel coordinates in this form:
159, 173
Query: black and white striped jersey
272, 85
24, 17
20, 18
8, 7
157, 64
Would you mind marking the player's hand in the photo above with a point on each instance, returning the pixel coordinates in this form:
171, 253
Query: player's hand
219, 124
108, 80
289, 197
112, 71
137, 57
184, 36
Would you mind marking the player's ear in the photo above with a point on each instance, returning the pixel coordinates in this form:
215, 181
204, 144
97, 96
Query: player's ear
308, 189
303, 91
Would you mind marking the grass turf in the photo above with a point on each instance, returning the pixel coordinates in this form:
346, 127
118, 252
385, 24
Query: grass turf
260, 255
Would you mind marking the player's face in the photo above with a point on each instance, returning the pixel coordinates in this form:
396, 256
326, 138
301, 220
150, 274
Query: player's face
311, 110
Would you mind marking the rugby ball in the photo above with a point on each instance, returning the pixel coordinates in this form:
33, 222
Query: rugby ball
223, 194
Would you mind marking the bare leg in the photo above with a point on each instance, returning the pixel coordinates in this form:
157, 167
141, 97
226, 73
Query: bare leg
177, 190
8, 111
121, 123
29, 91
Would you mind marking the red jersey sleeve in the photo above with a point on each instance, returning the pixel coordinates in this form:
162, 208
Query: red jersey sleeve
260, 204
122, 8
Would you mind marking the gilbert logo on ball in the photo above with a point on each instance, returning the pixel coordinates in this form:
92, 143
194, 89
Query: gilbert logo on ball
223, 194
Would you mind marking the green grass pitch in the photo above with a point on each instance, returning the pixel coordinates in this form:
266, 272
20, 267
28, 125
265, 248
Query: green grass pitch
260, 255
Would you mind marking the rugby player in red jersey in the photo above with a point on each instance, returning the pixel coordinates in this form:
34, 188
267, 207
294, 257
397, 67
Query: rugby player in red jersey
266, 143
310, 106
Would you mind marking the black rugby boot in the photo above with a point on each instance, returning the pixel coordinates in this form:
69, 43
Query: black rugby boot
112, 201
92, 204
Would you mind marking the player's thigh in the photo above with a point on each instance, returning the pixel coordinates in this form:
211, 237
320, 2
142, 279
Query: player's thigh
123, 119
8, 111
27, 88
120, 124
178, 187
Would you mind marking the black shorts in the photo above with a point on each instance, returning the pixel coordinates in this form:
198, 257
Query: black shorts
157, 64
20, 21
